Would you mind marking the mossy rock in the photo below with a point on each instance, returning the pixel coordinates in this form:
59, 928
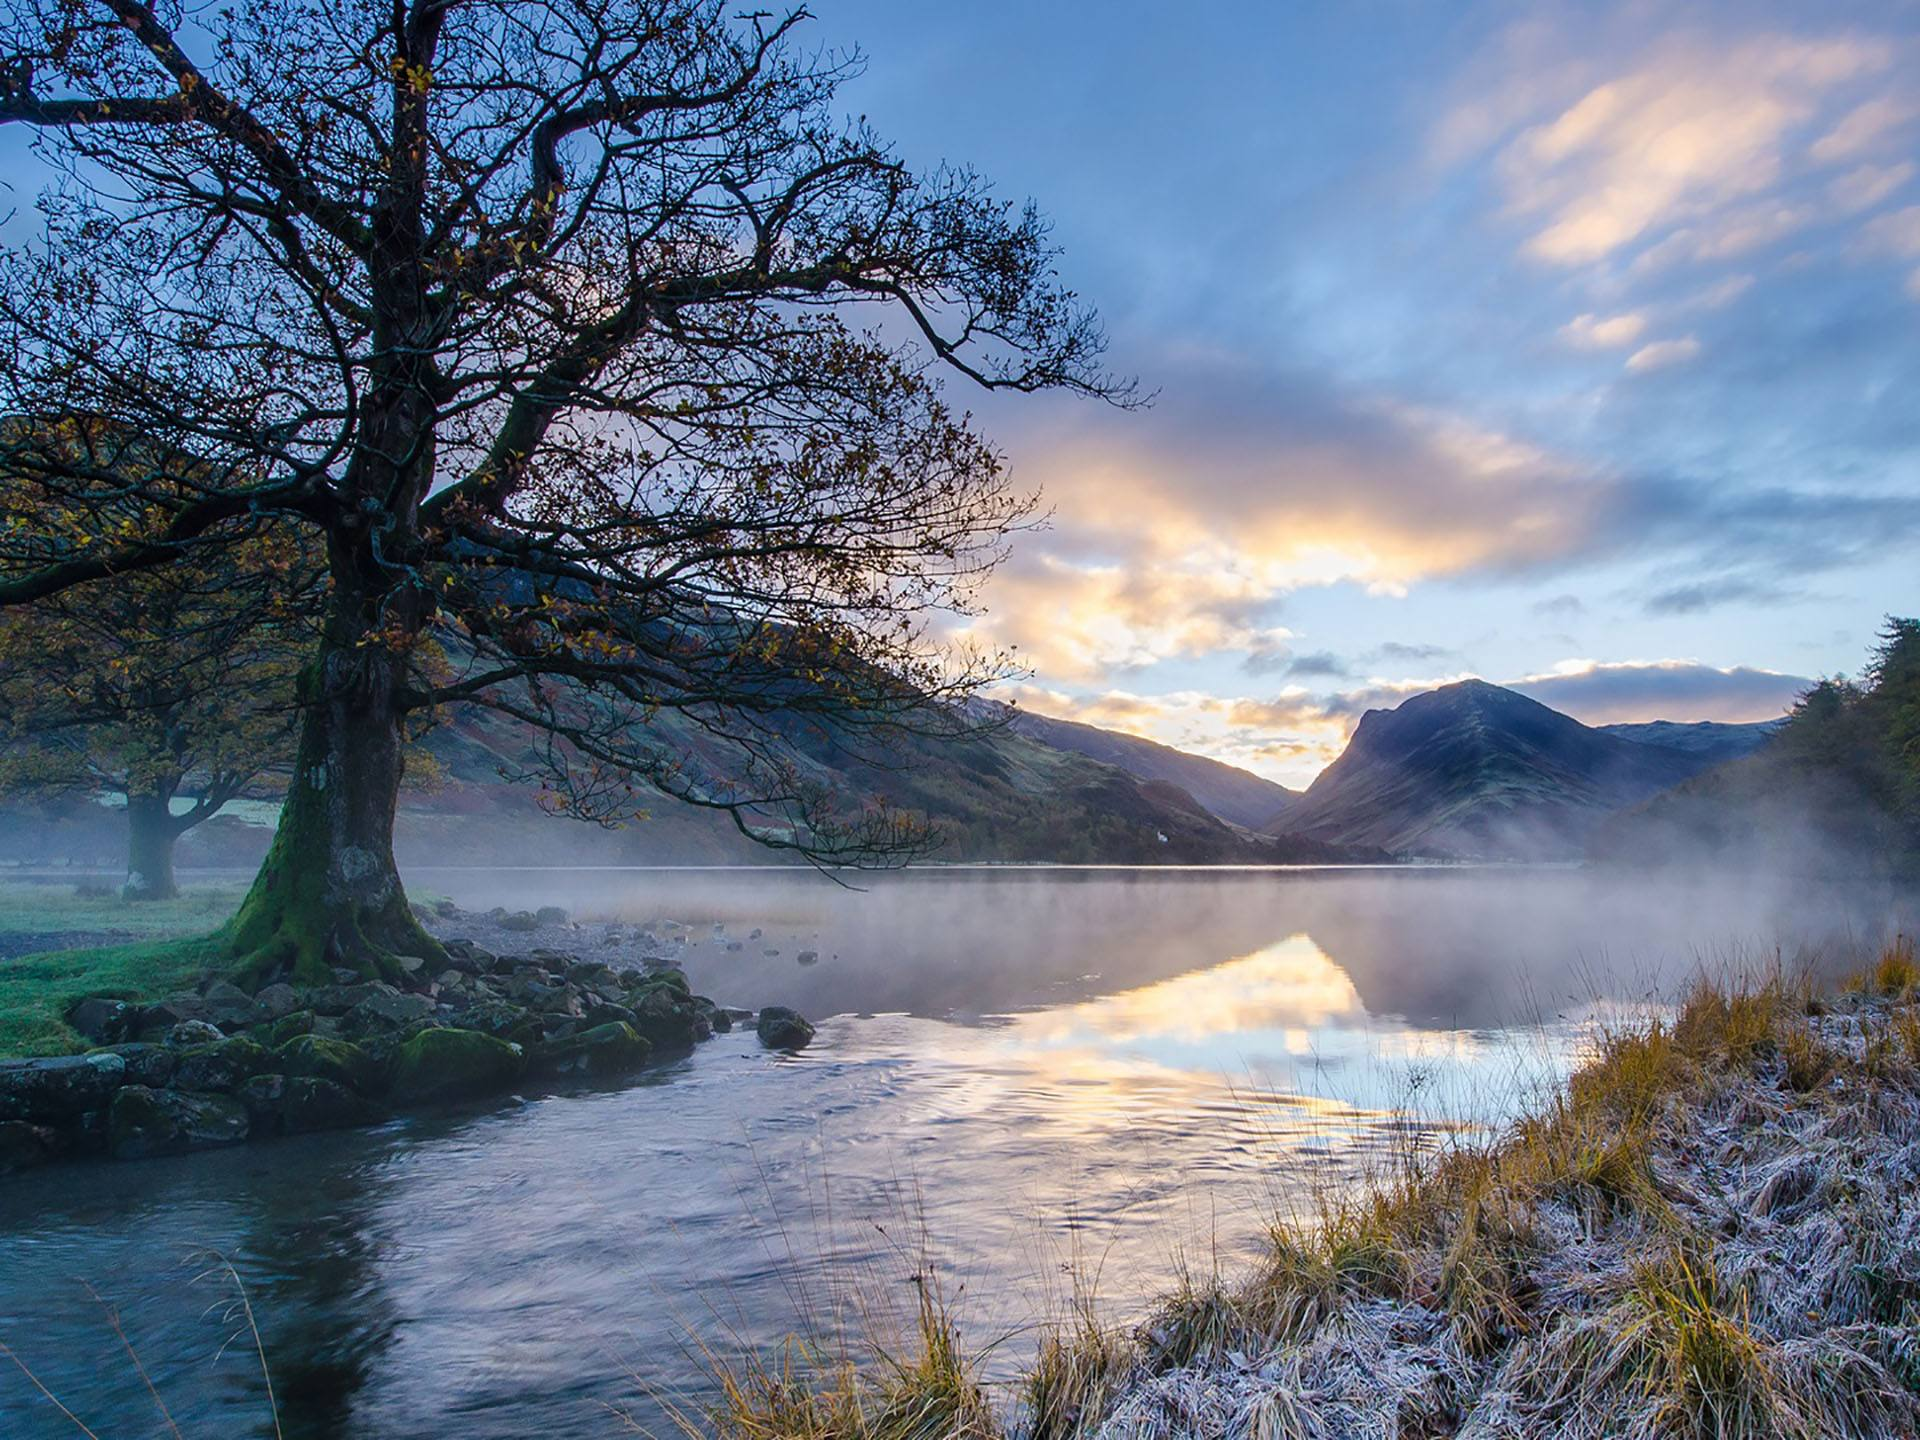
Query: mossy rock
290, 1026
503, 1020
450, 1064
602, 1052
220, 1067
143, 1122
321, 1057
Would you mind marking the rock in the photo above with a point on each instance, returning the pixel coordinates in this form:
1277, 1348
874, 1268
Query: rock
782, 1029
143, 1122
469, 959
315, 1104
411, 965
385, 1008
61, 1089
339, 1061
339, 999
275, 1002
602, 1052
263, 1096
228, 1006
103, 1021
449, 1064
519, 921
753, 934
733, 945
150, 1065
550, 915
665, 1014
501, 1020
189, 1033
445, 909
605, 1013
175, 1010
299, 1104
300, 1022
716, 1017
23, 1146
221, 1067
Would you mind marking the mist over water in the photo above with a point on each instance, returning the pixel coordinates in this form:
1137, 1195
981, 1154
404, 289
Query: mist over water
1022, 1075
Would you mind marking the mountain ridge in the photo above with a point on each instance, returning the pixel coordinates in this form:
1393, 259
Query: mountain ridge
1473, 770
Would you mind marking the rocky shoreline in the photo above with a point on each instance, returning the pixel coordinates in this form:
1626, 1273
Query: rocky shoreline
216, 1066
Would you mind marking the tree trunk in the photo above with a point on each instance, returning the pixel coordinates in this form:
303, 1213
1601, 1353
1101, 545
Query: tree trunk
150, 836
328, 894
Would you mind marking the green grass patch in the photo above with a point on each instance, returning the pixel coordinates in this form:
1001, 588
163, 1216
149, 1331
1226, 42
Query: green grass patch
49, 909
36, 990
177, 948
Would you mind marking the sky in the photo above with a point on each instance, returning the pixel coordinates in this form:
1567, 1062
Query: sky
1573, 347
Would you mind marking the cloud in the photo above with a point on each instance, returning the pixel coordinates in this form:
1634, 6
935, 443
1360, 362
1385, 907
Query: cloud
1178, 532
1288, 738
1321, 662
1560, 605
1662, 353
1697, 597
1079, 617
1897, 232
1688, 131
1866, 187
1619, 692
1398, 651
1863, 128
1293, 735
1597, 332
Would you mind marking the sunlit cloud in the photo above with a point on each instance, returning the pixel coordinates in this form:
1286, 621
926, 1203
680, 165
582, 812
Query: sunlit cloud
1662, 353
1866, 187
1689, 131
1864, 128
1598, 332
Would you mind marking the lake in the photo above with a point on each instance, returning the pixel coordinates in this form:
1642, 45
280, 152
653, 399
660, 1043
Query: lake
1025, 1081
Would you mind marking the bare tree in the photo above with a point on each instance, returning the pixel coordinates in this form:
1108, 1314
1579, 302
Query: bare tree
589, 334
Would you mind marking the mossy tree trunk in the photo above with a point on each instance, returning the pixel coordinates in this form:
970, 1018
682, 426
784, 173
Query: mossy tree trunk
151, 831
328, 894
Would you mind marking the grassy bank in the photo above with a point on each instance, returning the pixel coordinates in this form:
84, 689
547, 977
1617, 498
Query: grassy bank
148, 949
1713, 1231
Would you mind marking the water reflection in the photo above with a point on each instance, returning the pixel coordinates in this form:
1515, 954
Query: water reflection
1033, 1071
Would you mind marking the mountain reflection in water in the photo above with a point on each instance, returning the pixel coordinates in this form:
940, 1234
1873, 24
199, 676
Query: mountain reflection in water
1026, 1073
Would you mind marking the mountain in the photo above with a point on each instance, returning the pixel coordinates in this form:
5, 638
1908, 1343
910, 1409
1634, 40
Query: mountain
1835, 793
1006, 795
1711, 739
1475, 771
1235, 795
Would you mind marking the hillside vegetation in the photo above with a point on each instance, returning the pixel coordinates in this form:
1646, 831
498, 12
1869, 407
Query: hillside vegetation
1836, 792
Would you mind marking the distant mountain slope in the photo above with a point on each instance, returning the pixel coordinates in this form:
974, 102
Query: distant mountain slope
1711, 739
1229, 792
1005, 796
1472, 770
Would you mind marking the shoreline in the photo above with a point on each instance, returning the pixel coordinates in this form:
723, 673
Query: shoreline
213, 1065
1712, 1230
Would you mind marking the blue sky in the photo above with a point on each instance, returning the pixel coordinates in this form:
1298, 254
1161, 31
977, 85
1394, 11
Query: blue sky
1573, 347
